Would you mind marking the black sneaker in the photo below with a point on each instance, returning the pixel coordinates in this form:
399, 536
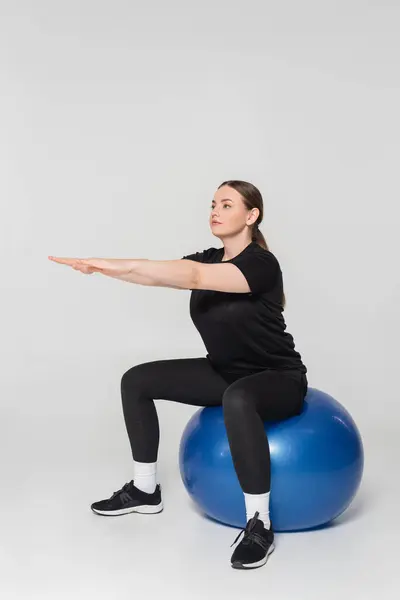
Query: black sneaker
130, 499
255, 547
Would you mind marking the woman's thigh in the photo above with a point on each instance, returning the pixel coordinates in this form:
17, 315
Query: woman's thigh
275, 394
186, 380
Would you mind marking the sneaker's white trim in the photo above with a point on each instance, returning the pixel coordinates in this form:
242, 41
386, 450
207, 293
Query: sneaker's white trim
143, 508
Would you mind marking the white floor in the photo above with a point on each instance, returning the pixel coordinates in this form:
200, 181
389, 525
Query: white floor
53, 546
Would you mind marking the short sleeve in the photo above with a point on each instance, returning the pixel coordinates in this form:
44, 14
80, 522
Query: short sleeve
204, 256
197, 256
261, 270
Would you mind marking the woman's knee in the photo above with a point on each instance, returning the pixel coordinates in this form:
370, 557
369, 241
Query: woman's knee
235, 400
136, 378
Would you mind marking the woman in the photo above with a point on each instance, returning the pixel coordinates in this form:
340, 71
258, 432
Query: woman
252, 368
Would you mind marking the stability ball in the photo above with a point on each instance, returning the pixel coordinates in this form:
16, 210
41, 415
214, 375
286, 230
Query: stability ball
317, 462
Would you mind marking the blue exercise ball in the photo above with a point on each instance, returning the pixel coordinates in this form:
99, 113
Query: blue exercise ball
317, 462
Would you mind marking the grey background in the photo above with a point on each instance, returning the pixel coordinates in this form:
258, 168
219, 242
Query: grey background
118, 121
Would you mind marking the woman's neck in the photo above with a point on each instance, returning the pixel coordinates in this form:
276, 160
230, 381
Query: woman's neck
233, 249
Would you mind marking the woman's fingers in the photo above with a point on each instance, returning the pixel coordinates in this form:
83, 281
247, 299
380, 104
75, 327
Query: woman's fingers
87, 266
64, 261
73, 262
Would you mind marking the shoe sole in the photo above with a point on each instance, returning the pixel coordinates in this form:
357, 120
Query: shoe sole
146, 509
255, 565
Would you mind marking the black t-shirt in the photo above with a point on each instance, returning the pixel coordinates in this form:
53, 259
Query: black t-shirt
245, 333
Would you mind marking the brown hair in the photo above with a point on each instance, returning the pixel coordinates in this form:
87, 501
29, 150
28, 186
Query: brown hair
252, 198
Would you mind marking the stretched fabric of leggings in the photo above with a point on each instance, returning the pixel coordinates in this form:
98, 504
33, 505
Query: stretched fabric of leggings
246, 402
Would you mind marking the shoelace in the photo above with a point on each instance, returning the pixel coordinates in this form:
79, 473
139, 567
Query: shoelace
251, 536
123, 490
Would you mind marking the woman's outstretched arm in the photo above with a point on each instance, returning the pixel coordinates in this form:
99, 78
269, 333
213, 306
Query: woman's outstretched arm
178, 274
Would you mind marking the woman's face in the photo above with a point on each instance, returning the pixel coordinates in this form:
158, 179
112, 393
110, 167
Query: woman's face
229, 216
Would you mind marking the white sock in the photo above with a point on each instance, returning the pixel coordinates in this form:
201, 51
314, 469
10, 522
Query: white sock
145, 475
260, 503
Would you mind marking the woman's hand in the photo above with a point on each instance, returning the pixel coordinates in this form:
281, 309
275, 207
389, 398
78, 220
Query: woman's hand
113, 267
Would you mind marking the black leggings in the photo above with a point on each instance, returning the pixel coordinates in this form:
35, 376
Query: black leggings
247, 402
